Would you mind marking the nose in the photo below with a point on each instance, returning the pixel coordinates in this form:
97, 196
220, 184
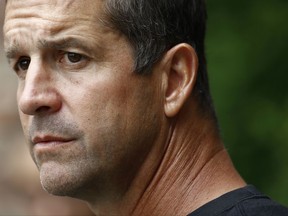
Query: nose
37, 93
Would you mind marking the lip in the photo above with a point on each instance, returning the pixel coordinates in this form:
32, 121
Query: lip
50, 140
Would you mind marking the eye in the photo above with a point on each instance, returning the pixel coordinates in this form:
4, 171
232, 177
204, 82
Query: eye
72, 61
74, 57
23, 64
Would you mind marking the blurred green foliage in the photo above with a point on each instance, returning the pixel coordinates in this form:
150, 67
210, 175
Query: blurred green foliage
246, 49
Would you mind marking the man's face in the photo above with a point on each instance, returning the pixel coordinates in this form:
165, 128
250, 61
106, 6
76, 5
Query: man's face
88, 118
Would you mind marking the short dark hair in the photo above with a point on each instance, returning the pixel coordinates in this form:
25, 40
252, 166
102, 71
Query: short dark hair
155, 26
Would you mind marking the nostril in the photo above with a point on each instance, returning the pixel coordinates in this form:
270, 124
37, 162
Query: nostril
42, 109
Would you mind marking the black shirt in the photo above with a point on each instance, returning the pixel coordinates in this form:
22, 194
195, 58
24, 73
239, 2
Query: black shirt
246, 201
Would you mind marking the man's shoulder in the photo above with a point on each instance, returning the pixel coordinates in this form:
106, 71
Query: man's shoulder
257, 206
246, 201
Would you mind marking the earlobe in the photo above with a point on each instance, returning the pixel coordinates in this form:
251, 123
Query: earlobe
181, 76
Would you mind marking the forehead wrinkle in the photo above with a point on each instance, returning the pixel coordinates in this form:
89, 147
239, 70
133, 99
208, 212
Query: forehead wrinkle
47, 33
52, 11
44, 5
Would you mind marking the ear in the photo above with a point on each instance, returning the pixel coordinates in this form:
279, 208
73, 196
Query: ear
181, 71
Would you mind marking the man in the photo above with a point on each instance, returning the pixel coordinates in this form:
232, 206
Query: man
114, 102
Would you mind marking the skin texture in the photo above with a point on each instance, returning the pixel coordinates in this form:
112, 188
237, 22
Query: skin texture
97, 131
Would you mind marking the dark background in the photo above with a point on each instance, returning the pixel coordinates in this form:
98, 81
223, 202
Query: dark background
247, 44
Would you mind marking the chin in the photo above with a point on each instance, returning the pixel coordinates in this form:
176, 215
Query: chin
61, 180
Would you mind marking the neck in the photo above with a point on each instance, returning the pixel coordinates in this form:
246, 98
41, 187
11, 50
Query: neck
193, 170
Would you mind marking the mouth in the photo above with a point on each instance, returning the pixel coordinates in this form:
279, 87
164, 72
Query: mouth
49, 141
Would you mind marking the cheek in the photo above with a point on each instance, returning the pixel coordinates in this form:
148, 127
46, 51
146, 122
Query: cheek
115, 117
99, 100
103, 119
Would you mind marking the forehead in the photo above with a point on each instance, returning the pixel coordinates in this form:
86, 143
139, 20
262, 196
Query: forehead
55, 7
49, 17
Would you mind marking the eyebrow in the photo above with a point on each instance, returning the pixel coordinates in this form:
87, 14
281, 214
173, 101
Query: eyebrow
63, 43
12, 51
59, 44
